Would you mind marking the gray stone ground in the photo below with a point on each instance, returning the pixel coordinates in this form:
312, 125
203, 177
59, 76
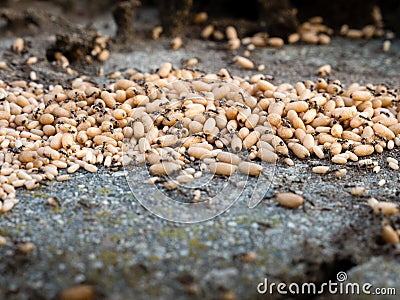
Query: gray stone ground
100, 235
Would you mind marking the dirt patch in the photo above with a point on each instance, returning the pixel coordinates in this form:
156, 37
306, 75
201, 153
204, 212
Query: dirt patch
75, 46
277, 18
28, 21
175, 15
124, 16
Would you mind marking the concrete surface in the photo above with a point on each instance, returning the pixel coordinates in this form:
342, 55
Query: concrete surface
100, 235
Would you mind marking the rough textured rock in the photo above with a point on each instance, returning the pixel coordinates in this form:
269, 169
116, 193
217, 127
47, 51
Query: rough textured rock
174, 15
277, 17
124, 16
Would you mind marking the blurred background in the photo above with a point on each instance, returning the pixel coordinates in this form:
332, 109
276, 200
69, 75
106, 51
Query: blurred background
278, 17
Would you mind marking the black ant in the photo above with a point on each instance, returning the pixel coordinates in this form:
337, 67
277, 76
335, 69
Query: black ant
200, 134
214, 111
102, 113
286, 123
92, 94
36, 113
63, 152
103, 147
48, 103
365, 118
182, 109
14, 150
242, 95
316, 133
